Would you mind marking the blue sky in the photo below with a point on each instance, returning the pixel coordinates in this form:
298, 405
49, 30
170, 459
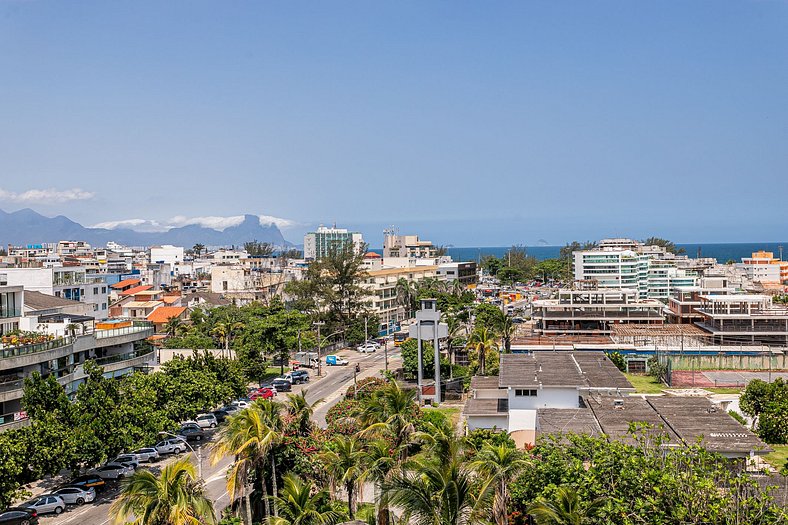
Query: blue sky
470, 123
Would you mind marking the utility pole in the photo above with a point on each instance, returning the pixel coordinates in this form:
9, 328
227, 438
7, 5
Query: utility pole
366, 334
319, 363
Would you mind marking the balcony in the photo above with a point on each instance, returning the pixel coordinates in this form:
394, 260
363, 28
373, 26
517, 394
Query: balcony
114, 336
13, 420
6, 313
24, 355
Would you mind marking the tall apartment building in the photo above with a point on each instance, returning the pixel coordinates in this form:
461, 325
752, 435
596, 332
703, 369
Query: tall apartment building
319, 243
407, 246
619, 269
762, 267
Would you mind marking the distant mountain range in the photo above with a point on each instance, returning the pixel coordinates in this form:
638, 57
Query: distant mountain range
29, 227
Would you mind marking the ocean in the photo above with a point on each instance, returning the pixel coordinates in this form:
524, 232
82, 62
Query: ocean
723, 252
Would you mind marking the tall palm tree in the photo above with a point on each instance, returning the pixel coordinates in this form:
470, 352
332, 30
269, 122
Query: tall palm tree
505, 327
249, 438
566, 508
272, 416
173, 325
482, 341
381, 460
345, 463
500, 465
439, 441
175, 497
437, 493
390, 412
300, 504
197, 249
224, 331
298, 407
406, 295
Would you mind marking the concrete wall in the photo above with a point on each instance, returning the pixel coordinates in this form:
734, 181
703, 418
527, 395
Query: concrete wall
499, 422
545, 398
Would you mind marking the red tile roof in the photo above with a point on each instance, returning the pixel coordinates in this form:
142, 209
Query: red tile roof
136, 290
126, 282
163, 314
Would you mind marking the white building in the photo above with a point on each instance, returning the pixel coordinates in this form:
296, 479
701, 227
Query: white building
406, 246
167, 254
69, 282
320, 242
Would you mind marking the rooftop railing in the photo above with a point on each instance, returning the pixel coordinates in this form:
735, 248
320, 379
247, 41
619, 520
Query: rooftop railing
136, 327
123, 357
16, 351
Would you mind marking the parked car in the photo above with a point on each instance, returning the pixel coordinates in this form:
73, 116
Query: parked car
282, 385
46, 504
262, 393
76, 495
221, 415
113, 471
19, 516
335, 360
89, 481
367, 348
301, 376
231, 409
240, 403
207, 421
126, 459
171, 446
147, 454
192, 432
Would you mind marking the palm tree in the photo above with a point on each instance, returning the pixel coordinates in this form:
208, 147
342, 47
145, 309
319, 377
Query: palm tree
505, 327
406, 295
175, 497
300, 504
224, 331
381, 461
173, 325
344, 462
566, 508
501, 465
482, 341
298, 407
390, 412
440, 441
249, 437
197, 249
437, 493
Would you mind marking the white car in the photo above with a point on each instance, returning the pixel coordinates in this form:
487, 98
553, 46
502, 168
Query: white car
367, 348
126, 459
113, 471
171, 446
76, 495
47, 503
148, 454
240, 403
206, 421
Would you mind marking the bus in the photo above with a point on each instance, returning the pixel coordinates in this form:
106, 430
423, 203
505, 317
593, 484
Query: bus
400, 337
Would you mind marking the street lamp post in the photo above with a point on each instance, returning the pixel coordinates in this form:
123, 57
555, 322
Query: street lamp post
197, 452
318, 324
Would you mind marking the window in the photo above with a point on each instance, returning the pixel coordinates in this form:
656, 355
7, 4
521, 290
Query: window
524, 392
95, 290
103, 289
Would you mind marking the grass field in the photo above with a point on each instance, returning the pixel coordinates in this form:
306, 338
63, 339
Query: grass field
452, 413
778, 457
645, 384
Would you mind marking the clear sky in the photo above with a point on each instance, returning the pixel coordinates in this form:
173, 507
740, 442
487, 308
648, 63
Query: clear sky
470, 123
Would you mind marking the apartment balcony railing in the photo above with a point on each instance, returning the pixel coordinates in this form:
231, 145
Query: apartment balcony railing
9, 386
13, 417
16, 351
136, 327
123, 357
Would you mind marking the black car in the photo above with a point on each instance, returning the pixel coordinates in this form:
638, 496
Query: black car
89, 480
282, 385
19, 516
192, 432
220, 415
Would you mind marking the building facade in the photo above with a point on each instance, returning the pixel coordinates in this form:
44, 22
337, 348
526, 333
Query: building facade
319, 243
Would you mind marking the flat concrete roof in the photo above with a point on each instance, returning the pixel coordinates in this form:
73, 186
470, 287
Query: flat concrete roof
486, 407
566, 420
587, 369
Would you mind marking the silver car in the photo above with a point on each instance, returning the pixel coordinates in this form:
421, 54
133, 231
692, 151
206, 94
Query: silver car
113, 471
171, 446
206, 421
126, 459
76, 495
147, 454
47, 503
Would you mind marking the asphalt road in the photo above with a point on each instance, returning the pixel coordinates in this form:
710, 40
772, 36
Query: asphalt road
327, 389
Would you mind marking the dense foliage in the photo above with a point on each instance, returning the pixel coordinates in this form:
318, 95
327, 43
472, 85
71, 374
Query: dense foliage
108, 416
767, 403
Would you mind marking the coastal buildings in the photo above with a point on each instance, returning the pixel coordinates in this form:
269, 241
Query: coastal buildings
320, 242
594, 311
407, 246
383, 292
744, 319
764, 268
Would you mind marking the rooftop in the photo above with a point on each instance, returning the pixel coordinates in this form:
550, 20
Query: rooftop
587, 369
486, 407
165, 313
136, 290
565, 420
141, 304
42, 301
126, 282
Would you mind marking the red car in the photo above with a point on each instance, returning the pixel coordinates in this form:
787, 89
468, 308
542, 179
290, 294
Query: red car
262, 393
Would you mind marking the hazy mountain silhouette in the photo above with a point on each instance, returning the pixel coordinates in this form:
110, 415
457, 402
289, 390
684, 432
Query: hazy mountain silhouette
30, 227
